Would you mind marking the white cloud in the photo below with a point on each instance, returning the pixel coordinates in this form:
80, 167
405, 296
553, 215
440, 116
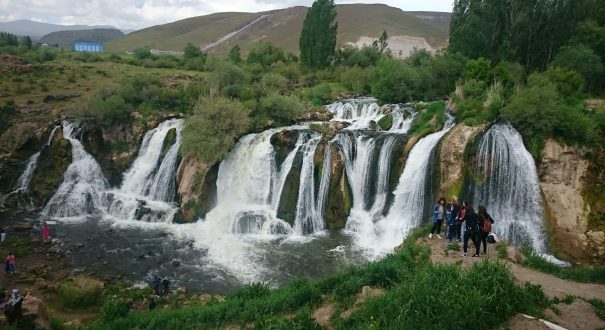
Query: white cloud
136, 14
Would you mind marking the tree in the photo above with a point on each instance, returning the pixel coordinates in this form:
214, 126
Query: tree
318, 37
142, 53
265, 54
582, 60
235, 54
26, 42
395, 81
382, 43
214, 128
191, 51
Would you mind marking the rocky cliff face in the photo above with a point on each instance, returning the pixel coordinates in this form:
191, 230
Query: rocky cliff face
196, 192
451, 158
562, 173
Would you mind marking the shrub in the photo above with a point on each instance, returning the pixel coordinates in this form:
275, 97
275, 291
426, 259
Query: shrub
114, 309
280, 109
357, 80
395, 81
142, 53
228, 78
582, 60
214, 128
265, 54
568, 82
80, 292
273, 81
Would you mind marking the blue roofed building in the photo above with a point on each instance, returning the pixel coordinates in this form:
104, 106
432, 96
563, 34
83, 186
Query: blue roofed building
91, 47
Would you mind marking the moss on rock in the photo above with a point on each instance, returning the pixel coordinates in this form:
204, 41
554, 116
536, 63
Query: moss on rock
52, 164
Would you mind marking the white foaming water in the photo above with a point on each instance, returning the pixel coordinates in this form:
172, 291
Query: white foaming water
509, 187
380, 237
149, 185
83, 181
308, 218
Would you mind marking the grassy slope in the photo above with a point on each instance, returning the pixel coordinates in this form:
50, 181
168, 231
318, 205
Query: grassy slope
282, 28
65, 76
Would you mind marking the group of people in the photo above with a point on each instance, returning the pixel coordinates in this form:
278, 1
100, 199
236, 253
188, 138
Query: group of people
161, 287
12, 305
462, 224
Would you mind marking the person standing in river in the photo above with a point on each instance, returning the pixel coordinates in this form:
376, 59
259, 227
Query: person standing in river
470, 232
484, 221
437, 217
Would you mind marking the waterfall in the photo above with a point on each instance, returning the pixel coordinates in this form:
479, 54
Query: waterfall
79, 192
149, 185
507, 184
25, 178
324, 185
379, 237
308, 217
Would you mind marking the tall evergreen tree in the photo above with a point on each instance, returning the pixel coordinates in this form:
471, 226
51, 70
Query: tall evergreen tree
318, 37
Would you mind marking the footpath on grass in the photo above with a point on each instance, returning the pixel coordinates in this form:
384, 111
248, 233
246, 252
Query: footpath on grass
573, 312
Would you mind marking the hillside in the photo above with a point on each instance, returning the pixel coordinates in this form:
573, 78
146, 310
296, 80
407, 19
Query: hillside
439, 18
65, 39
281, 27
38, 29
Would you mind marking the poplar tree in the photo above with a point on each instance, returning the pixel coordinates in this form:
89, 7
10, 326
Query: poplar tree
318, 37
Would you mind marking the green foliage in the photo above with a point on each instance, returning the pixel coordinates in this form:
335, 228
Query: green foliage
191, 51
358, 80
582, 60
20, 246
114, 309
8, 39
538, 113
502, 251
214, 127
318, 37
429, 120
478, 69
80, 292
569, 83
266, 54
228, 78
274, 82
530, 34
599, 307
584, 274
142, 53
279, 109
235, 54
110, 110
386, 122
7, 113
322, 93
486, 291
365, 57
395, 81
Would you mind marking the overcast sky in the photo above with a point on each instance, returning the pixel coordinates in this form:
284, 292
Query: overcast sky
136, 14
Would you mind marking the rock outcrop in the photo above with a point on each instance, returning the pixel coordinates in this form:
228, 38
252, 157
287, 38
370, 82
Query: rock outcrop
196, 181
451, 157
562, 174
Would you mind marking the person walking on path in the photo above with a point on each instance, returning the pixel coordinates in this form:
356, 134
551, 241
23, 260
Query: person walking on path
484, 222
2, 234
45, 231
470, 233
452, 213
438, 216
9, 264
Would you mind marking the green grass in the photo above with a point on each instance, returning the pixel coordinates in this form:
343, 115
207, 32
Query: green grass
582, 274
502, 253
19, 245
424, 123
599, 307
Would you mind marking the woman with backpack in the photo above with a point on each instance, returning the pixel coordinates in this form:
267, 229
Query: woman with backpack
485, 227
438, 215
470, 232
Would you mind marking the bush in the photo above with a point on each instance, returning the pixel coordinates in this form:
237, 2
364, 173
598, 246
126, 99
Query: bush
274, 82
395, 81
424, 123
214, 128
142, 53
265, 54
582, 60
228, 78
280, 109
357, 80
569, 83
80, 292
114, 309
